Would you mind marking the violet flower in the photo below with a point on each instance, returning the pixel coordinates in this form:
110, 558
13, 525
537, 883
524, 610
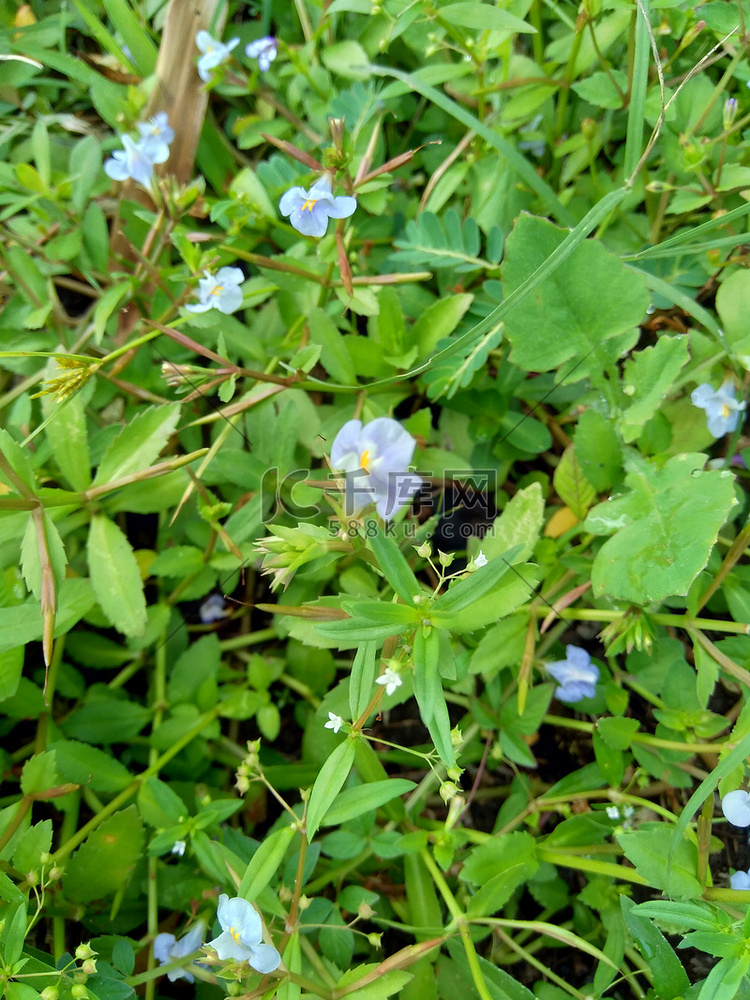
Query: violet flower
264, 50
722, 409
167, 948
214, 53
576, 675
309, 211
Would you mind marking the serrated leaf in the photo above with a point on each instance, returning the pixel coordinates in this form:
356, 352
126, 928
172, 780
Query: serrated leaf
104, 862
116, 577
598, 450
571, 485
138, 443
649, 375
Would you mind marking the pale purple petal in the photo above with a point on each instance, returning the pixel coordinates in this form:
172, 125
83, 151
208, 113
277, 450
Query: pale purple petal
343, 206
198, 307
116, 168
204, 41
578, 657
229, 300
264, 958
736, 807
163, 944
230, 276
292, 199
345, 444
310, 222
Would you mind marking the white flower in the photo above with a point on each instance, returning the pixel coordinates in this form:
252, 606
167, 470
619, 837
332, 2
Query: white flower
242, 935
335, 722
740, 880
214, 53
264, 50
179, 847
375, 458
135, 161
156, 135
736, 807
613, 812
220, 291
390, 679
722, 409
167, 949
480, 560
309, 211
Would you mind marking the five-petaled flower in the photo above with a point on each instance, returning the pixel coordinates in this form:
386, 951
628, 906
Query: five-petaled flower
214, 53
309, 211
241, 935
722, 409
335, 722
167, 949
740, 880
390, 680
220, 291
375, 458
736, 807
264, 50
576, 675
136, 161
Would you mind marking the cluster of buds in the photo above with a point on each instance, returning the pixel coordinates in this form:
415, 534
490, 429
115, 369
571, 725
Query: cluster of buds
288, 549
632, 629
249, 768
75, 373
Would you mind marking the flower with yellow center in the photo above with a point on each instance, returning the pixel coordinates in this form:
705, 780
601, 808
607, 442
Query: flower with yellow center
241, 935
722, 409
309, 211
220, 291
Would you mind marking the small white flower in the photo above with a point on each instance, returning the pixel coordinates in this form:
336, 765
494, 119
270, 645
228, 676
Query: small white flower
736, 807
220, 291
156, 135
214, 53
179, 847
335, 722
613, 812
390, 679
213, 609
168, 949
480, 560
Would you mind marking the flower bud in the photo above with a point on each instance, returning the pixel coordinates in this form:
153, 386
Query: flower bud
89, 967
304, 902
374, 940
79, 992
49, 993
242, 784
80, 978
424, 551
84, 951
365, 911
729, 112
32, 877
448, 790
46, 859
54, 874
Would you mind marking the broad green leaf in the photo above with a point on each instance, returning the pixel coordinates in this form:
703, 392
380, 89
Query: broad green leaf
649, 847
23, 624
733, 307
36, 841
193, 676
519, 525
617, 733
87, 765
395, 568
39, 773
463, 593
106, 306
347, 59
664, 528
438, 320
265, 863
386, 985
334, 353
507, 594
106, 720
19, 462
571, 485
138, 443
598, 450
11, 668
428, 688
66, 432
649, 375
115, 577
600, 90
573, 320
328, 784
106, 859
159, 805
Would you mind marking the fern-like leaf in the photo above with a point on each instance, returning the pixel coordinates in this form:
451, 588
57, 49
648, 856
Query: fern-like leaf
429, 241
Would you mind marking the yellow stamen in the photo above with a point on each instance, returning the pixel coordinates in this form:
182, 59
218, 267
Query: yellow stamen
309, 204
218, 290
364, 460
235, 934
724, 410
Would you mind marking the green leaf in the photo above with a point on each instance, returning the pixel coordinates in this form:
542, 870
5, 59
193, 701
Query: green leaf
106, 306
733, 306
193, 677
36, 841
30, 556
19, 462
347, 59
428, 689
105, 861
571, 485
106, 720
65, 429
361, 679
159, 805
87, 765
430, 241
328, 784
11, 669
598, 450
483, 17
142, 49
395, 568
664, 528
648, 849
617, 733
518, 527
116, 577
39, 773
575, 318
463, 593
458, 363
23, 624
265, 863
669, 976
649, 375
599, 89
334, 353
438, 320
353, 802
138, 443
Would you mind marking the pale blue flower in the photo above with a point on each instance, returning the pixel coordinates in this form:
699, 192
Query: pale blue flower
722, 409
214, 53
309, 211
264, 50
740, 880
213, 608
241, 936
156, 135
220, 291
729, 112
136, 161
375, 458
576, 675
167, 948
736, 807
